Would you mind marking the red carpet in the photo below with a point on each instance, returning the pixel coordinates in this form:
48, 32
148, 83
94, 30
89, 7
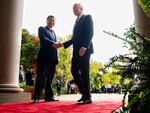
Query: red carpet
59, 107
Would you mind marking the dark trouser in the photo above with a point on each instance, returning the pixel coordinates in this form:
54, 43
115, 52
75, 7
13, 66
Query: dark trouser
44, 78
58, 90
68, 89
80, 71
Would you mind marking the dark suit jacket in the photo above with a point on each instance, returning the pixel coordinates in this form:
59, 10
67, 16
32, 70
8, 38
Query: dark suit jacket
82, 35
47, 53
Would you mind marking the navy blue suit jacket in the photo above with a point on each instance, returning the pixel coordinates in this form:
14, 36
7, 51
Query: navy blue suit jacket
47, 53
82, 34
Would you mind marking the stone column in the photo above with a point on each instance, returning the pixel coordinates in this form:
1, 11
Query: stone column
11, 12
142, 21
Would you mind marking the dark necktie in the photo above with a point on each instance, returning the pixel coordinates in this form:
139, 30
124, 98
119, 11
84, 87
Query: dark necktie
77, 19
53, 34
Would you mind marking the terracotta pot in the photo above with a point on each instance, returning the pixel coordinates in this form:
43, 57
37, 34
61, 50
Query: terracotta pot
30, 90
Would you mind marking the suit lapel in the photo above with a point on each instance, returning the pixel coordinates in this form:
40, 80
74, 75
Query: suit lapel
51, 34
78, 23
80, 20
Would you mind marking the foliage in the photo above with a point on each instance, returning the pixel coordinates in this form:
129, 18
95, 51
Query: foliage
24, 85
95, 77
63, 69
145, 4
135, 66
28, 49
110, 78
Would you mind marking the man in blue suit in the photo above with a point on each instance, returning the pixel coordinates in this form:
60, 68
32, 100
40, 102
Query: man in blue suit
82, 50
46, 61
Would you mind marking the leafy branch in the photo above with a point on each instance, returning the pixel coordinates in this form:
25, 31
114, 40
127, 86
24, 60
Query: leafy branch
135, 66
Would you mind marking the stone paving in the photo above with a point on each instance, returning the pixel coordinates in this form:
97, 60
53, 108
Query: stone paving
95, 97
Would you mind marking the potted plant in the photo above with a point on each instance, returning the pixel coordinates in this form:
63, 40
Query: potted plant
27, 88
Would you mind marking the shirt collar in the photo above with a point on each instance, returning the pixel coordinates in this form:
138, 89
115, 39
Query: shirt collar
49, 28
80, 16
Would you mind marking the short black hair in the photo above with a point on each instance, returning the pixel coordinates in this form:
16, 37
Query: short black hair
50, 16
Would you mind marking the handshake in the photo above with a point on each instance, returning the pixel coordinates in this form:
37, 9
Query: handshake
57, 45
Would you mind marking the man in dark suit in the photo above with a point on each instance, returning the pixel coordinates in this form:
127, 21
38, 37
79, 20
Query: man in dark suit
82, 50
46, 61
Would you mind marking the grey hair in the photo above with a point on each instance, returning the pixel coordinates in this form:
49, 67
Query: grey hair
79, 4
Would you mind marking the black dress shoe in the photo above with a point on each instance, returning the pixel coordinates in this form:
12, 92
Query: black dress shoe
35, 101
49, 100
85, 101
80, 99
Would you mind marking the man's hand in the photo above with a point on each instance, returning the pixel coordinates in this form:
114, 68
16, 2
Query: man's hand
82, 51
57, 45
